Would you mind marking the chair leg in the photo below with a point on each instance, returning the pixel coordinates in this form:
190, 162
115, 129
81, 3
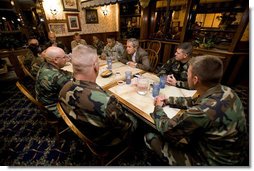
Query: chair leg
66, 129
118, 155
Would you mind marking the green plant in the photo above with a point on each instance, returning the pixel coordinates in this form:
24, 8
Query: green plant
204, 42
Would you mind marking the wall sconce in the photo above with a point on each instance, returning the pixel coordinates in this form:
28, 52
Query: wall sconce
53, 11
105, 10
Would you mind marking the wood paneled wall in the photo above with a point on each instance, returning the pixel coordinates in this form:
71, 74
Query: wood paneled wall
66, 40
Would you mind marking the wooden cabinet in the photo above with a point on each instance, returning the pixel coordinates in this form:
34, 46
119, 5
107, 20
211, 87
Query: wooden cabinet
129, 19
10, 32
20, 20
216, 27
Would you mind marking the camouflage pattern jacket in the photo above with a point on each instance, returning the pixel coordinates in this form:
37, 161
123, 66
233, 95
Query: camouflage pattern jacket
33, 63
74, 43
99, 46
214, 126
141, 59
178, 69
116, 52
49, 82
99, 116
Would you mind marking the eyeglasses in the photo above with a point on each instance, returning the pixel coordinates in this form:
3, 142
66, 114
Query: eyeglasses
65, 56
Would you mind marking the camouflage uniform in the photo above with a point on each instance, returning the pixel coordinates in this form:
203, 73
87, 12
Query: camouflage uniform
32, 63
101, 117
178, 69
214, 126
74, 43
116, 51
48, 84
99, 46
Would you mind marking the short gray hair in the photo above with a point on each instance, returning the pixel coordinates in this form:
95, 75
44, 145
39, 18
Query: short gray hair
134, 42
82, 56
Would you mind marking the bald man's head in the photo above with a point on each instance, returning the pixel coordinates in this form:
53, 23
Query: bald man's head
53, 52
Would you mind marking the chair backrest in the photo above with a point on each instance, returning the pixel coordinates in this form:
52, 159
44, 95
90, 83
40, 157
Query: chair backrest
102, 152
143, 44
153, 58
26, 92
84, 138
25, 70
155, 45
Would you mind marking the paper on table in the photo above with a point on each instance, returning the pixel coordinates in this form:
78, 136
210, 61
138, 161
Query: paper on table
171, 112
188, 93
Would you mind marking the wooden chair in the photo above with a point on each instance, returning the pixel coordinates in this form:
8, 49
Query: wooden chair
155, 45
26, 92
101, 152
25, 70
52, 120
153, 58
143, 44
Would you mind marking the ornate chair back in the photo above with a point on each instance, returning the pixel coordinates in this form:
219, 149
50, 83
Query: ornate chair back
25, 70
153, 58
155, 45
49, 117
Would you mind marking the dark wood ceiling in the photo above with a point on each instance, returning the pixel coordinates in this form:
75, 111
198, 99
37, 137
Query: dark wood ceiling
23, 4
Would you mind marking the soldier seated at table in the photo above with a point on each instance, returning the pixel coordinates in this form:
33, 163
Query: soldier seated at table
113, 49
50, 78
101, 116
54, 42
213, 125
98, 44
77, 40
176, 68
135, 56
33, 59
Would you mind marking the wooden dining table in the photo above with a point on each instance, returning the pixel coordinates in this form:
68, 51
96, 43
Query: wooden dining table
143, 105
118, 68
140, 105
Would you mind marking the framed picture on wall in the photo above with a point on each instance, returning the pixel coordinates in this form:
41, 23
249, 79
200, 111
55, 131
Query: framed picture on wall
73, 22
59, 27
70, 5
91, 16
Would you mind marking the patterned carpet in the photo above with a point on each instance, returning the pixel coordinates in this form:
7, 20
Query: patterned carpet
27, 140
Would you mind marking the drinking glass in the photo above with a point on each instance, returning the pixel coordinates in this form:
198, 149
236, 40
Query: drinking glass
156, 89
109, 63
128, 75
163, 79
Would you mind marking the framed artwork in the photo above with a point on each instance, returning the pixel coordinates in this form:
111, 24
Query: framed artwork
73, 22
70, 5
60, 27
91, 16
